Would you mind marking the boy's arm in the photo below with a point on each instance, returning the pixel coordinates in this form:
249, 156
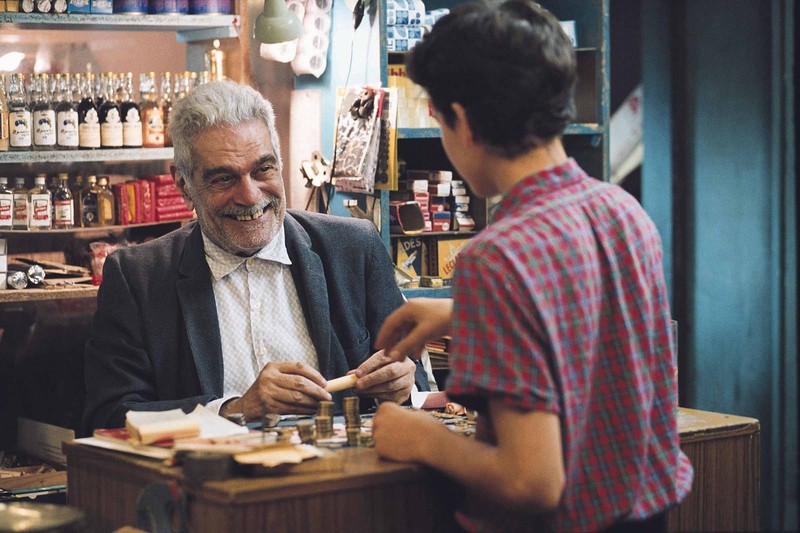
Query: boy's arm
525, 471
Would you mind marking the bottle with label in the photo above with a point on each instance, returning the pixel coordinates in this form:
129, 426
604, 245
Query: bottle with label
152, 113
19, 115
6, 204
130, 113
66, 115
63, 207
44, 115
88, 117
89, 203
40, 206
3, 115
165, 101
106, 207
21, 204
110, 118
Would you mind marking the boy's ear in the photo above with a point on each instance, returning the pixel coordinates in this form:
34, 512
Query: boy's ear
462, 125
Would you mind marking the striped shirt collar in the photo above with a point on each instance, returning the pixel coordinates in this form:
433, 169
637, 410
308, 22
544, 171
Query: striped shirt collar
221, 263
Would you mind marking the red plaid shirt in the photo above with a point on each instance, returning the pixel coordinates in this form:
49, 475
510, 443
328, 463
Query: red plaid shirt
560, 306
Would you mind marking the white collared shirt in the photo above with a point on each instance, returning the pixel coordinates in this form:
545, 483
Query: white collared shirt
260, 316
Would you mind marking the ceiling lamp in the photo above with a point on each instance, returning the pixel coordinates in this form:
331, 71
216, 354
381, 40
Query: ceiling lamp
277, 24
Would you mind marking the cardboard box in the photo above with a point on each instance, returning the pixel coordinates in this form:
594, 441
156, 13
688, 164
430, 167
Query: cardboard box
408, 255
441, 221
101, 6
441, 257
79, 6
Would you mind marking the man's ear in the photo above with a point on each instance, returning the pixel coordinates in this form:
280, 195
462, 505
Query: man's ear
462, 126
180, 183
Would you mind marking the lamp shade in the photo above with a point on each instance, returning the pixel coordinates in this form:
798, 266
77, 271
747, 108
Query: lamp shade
277, 24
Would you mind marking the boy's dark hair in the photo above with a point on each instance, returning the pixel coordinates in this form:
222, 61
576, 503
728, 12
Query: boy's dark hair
509, 64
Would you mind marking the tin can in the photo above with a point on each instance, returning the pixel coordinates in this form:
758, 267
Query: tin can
17, 279
210, 7
166, 7
35, 275
131, 7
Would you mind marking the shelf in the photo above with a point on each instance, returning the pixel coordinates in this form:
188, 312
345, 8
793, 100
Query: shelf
435, 133
34, 295
93, 229
426, 292
435, 234
584, 129
87, 156
189, 28
418, 133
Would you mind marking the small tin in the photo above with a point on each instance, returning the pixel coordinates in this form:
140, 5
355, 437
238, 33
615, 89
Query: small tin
210, 7
130, 7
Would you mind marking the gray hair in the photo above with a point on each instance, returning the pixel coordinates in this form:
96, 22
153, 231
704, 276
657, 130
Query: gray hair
218, 103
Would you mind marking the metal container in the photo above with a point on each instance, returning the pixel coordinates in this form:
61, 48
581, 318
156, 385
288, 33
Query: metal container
210, 7
131, 7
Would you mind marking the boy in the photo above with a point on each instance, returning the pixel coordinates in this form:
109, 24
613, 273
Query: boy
560, 319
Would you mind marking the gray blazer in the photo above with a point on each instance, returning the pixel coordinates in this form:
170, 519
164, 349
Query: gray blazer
155, 340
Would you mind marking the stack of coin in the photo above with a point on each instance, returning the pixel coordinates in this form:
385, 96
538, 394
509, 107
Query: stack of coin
324, 427
305, 430
354, 437
237, 418
285, 434
326, 409
352, 418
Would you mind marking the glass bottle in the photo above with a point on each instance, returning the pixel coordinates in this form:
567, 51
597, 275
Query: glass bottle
66, 114
6, 204
3, 115
88, 117
110, 119
152, 113
19, 114
98, 87
106, 207
44, 115
40, 205
63, 206
21, 204
130, 113
75, 190
165, 101
89, 203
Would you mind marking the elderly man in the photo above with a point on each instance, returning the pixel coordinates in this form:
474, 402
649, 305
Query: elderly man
253, 307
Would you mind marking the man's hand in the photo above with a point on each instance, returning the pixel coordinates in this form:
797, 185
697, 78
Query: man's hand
405, 332
281, 388
381, 377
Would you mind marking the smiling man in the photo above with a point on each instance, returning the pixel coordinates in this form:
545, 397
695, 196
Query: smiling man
252, 308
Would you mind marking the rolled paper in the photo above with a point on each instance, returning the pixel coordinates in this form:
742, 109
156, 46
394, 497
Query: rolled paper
342, 383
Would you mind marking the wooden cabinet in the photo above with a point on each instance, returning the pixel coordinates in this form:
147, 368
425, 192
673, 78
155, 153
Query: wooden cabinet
368, 494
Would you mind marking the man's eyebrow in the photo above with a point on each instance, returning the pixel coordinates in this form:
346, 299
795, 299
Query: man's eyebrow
223, 169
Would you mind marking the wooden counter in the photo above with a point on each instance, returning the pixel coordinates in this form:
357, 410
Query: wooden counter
373, 495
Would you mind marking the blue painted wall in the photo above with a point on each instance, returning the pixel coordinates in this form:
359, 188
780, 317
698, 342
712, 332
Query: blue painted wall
719, 161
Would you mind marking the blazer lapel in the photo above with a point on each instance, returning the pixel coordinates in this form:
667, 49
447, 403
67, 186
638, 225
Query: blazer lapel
309, 279
200, 314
